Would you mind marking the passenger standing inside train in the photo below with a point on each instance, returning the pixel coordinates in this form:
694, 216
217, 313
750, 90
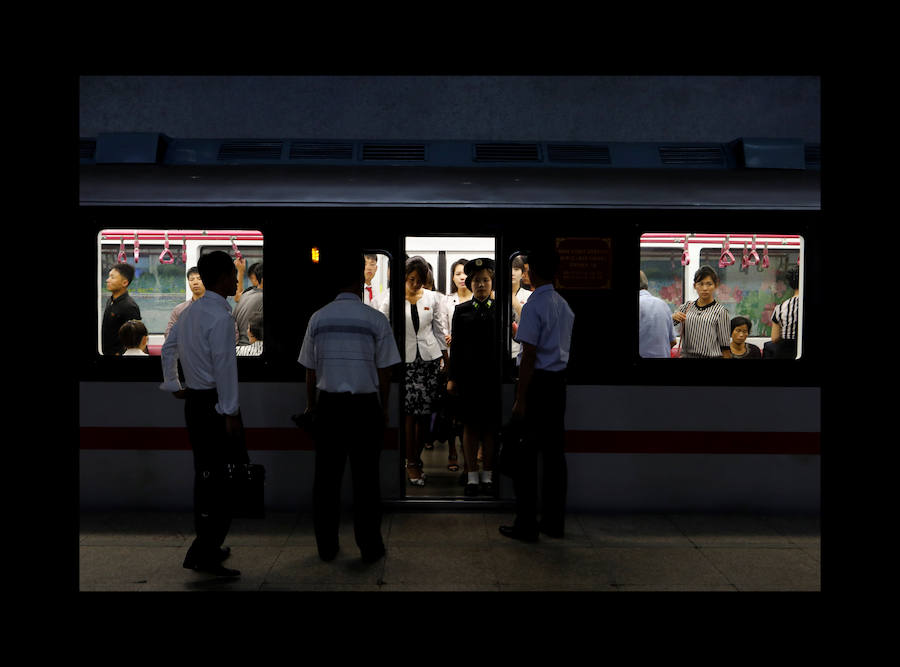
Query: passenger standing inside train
382, 300
740, 348
368, 292
520, 295
458, 294
251, 304
119, 309
241, 266
203, 341
426, 351
197, 291
134, 337
348, 352
786, 318
545, 334
255, 336
704, 322
656, 333
473, 374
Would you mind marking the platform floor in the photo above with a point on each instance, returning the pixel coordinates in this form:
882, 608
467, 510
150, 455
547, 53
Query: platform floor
462, 551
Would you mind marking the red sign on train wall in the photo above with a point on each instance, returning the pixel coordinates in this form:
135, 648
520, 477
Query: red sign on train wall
584, 263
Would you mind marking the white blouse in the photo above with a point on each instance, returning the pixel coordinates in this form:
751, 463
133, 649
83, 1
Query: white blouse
429, 340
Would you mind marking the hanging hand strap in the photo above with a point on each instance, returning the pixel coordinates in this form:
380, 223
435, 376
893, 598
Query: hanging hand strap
122, 258
165, 252
685, 258
137, 251
237, 253
726, 258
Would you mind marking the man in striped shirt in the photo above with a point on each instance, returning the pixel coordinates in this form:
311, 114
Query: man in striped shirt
348, 351
705, 322
785, 319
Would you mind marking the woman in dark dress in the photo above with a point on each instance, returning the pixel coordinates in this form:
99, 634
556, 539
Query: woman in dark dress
473, 373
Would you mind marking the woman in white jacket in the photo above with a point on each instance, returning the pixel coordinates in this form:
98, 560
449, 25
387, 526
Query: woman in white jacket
426, 361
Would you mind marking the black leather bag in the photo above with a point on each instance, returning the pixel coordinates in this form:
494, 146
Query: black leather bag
245, 484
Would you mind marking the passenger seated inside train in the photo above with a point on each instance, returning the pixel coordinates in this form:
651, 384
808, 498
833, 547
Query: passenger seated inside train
255, 336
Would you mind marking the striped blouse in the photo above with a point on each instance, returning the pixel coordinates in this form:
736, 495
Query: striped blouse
786, 315
705, 331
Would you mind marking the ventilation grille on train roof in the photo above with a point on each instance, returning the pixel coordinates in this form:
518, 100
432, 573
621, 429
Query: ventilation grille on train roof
250, 150
582, 153
812, 154
405, 152
691, 155
87, 148
321, 150
507, 153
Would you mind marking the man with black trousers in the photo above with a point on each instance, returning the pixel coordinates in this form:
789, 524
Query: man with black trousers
545, 333
348, 351
203, 341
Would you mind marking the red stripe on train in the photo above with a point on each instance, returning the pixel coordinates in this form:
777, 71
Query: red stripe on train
607, 442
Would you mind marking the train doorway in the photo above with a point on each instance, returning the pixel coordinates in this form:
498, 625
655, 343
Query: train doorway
433, 451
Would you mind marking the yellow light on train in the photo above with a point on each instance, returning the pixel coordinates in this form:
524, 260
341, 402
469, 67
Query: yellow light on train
315, 255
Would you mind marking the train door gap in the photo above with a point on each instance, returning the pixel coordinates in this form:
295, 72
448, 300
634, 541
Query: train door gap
433, 441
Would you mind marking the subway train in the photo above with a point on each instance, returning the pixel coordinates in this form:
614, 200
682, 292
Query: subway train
641, 434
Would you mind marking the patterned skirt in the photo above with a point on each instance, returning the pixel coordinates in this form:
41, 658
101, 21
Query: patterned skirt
422, 381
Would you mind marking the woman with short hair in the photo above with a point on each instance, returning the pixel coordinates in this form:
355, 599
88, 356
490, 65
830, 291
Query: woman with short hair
426, 357
473, 374
704, 322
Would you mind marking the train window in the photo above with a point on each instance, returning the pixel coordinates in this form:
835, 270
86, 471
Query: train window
754, 274
152, 280
434, 442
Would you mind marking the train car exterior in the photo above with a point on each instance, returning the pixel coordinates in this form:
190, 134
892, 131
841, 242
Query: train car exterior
642, 434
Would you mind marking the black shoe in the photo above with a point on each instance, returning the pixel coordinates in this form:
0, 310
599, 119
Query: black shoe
191, 562
549, 532
518, 534
471, 490
328, 555
487, 488
217, 569
372, 556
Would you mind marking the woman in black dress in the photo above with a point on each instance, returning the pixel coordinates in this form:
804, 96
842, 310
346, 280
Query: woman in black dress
473, 373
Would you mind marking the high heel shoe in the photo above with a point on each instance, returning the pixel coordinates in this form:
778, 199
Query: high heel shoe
414, 481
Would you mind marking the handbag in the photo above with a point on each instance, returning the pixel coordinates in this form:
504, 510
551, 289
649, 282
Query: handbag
245, 483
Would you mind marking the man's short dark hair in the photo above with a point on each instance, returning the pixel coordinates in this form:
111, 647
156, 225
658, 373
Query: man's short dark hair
256, 269
193, 271
212, 266
126, 271
544, 261
739, 320
792, 276
256, 325
343, 265
132, 333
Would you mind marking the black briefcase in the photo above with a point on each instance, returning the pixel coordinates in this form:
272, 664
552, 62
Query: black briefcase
246, 489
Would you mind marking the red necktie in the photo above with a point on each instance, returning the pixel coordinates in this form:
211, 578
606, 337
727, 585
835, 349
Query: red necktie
370, 292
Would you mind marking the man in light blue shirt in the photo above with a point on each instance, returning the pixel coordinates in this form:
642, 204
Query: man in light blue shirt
656, 334
545, 334
203, 340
